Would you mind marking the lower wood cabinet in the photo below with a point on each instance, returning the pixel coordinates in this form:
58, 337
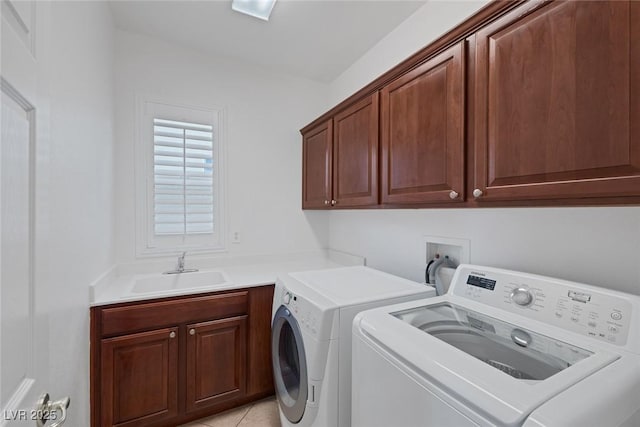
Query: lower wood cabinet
166, 362
216, 362
140, 378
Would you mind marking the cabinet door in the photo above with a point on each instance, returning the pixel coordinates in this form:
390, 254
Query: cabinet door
558, 102
316, 166
216, 362
355, 154
140, 378
423, 132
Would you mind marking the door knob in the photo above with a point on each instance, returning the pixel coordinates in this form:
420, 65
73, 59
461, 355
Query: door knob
47, 410
477, 193
453, 195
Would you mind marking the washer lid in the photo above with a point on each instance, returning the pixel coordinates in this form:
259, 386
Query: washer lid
518, 352
471, 359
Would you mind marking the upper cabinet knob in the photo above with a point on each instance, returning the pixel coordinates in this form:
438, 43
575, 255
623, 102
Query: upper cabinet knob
172, 334
192, 331
453, 195
477, 193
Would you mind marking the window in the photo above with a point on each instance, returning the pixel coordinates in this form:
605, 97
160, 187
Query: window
182, 179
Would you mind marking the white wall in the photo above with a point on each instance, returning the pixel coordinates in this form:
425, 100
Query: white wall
264, 112
600, 246
81, 188
426, 24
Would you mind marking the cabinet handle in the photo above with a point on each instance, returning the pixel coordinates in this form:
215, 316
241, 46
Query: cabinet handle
477, 193
192, 331
453, 195
172, 334
334, 202
326, 202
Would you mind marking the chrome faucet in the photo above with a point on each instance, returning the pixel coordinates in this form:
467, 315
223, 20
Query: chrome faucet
180, 266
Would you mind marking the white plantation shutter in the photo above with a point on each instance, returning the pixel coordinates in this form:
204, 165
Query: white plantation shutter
183, 178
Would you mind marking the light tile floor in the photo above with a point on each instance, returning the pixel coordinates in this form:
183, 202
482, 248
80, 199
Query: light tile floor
263, 413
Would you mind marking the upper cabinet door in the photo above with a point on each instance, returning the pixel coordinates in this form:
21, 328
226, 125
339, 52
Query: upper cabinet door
422, 121
316, 166
355, 154
557, 111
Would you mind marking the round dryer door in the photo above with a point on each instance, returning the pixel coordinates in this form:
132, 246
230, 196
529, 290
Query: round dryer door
289, 365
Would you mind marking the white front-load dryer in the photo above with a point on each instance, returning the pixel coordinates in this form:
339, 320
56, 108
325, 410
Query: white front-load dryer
311, 338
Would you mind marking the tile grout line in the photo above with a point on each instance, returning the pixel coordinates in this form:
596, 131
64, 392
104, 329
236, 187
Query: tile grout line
245, 414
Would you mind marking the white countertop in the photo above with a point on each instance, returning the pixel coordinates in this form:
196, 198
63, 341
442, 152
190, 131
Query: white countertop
117, 285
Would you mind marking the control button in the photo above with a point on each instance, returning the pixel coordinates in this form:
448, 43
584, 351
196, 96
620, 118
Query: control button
286, 298
593, 324
616, 315
575, 319
613, 329
558, 315
522, 296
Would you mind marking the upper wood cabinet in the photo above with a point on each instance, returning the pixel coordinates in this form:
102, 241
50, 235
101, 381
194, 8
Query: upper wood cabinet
340, 158
316, 166
525, 103
422, 123
355, 154
557, 102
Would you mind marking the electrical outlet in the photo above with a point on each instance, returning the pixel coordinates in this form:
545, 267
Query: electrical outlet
235, 237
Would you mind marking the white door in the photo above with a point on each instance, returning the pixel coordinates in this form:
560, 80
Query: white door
24, 338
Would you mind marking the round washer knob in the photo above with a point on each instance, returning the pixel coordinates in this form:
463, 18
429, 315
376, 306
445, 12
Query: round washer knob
286, 298
522, 296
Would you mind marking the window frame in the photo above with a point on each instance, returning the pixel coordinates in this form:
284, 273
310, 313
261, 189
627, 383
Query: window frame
148, 244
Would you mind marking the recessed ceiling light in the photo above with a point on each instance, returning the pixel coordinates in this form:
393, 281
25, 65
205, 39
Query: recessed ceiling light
260, 9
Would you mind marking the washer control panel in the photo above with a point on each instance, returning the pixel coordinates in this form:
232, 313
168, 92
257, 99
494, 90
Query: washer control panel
578, 308
305, 314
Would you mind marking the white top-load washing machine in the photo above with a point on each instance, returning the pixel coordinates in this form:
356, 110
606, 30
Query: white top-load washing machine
311, 338
501, 348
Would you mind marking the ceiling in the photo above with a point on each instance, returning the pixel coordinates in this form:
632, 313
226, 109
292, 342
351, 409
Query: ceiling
313, 39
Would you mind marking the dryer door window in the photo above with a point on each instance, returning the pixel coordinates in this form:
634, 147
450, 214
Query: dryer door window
289, 365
